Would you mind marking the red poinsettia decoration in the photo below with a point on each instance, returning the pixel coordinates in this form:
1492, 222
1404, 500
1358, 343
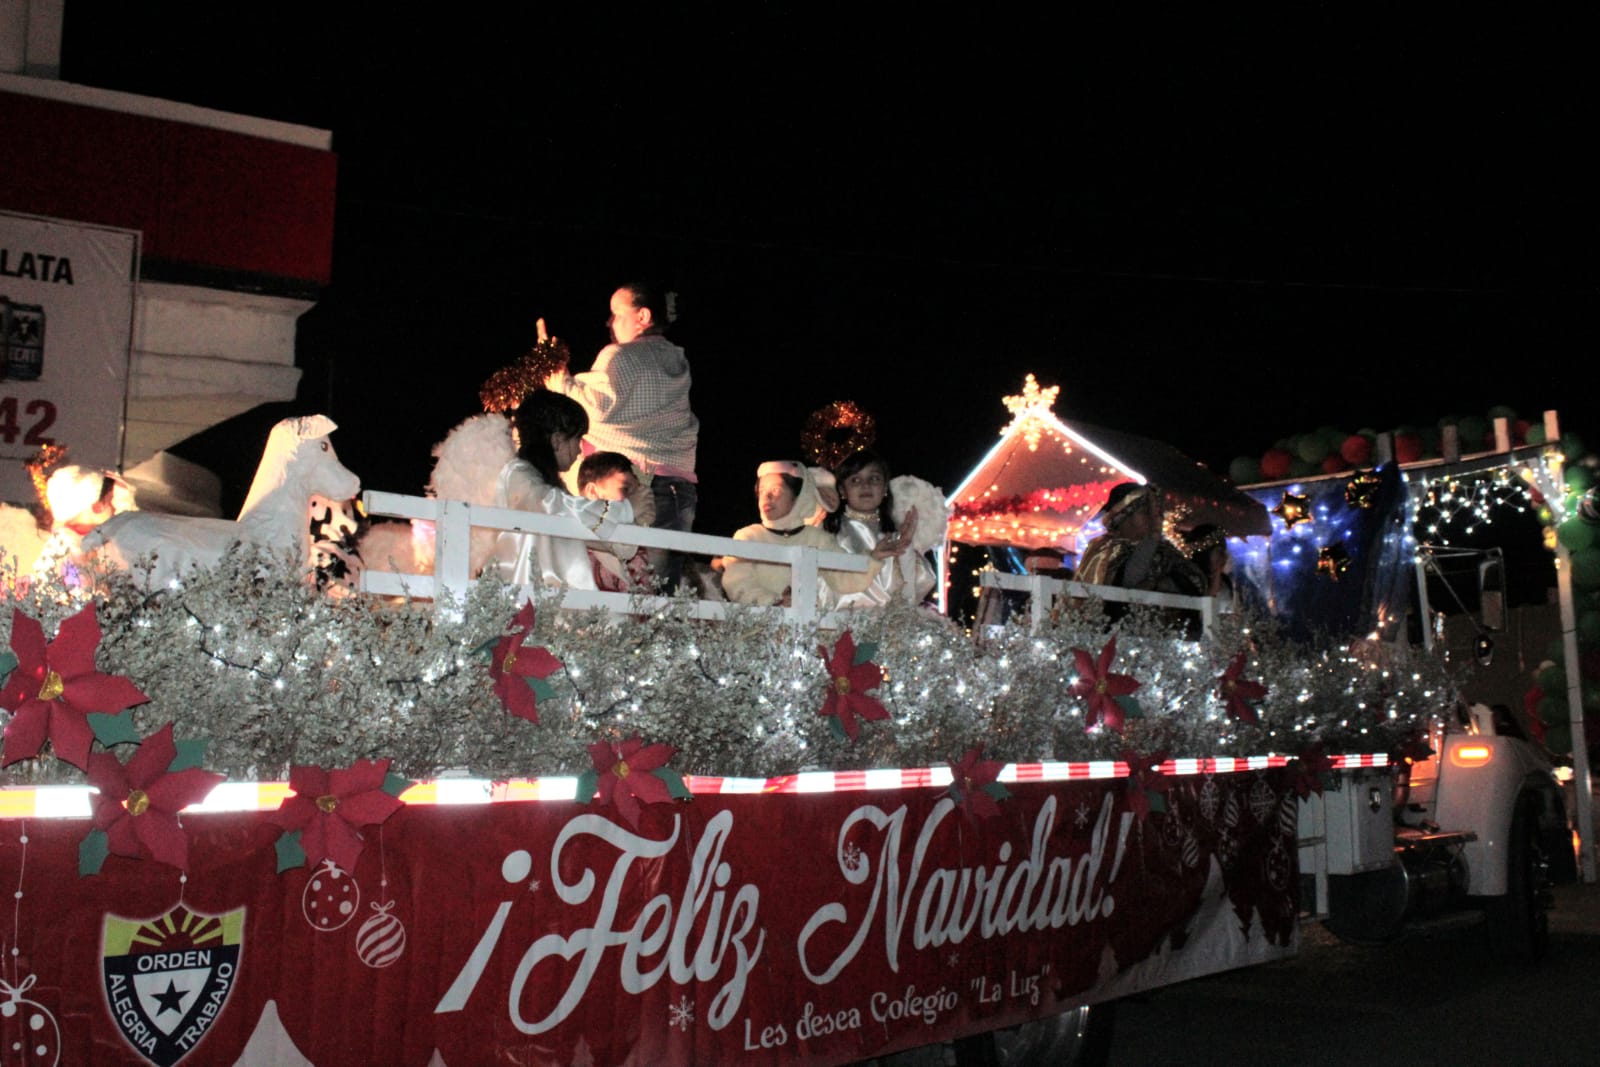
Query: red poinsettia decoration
853, 674
1147, 785
330, 807
1238, 692
55, 686
974, 784
630, 774
1100, 687
138, 802
518, 670
1308, 770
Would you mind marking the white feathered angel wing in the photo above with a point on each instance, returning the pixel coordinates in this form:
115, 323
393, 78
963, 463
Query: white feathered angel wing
467, 463
467, 466
933, 518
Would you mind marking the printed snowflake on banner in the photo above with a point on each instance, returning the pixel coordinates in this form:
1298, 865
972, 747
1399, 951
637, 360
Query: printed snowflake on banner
1210, 799
1262, 799
681, 1014
852, 857
1081, 816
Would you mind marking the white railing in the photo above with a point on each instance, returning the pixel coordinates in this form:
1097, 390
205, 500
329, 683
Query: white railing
1043, 591
454, 520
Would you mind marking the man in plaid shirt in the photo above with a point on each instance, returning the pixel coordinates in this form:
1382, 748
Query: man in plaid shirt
637, 397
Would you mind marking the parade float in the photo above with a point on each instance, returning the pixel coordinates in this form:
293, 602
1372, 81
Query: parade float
258, 819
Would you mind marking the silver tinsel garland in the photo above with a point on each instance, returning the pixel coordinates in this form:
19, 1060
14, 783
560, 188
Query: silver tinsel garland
275, 673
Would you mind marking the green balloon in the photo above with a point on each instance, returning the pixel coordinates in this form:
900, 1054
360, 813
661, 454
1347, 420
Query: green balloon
1311, 448
1589, 629
1591, 697
1299, 468
1503, 411
1471, 432
1554, 710
1558, 738
1553, 680
1244, 470
1586, 568
1571, 447
1556, 653
1579, 478
1575, 534
1535, 435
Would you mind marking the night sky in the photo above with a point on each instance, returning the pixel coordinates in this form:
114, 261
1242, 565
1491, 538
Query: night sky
1217, 232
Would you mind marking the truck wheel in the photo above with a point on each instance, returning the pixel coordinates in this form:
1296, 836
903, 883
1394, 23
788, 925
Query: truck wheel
1519, 922
1080, 1037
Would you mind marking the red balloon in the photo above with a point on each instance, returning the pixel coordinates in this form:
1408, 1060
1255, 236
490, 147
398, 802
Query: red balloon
1334, 465
1519, 432
1408, 447
1275, 464
1356, 450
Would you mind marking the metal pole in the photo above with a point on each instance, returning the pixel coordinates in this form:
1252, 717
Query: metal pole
1580, 748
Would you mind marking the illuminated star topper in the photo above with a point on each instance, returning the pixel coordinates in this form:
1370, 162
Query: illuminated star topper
1028, 409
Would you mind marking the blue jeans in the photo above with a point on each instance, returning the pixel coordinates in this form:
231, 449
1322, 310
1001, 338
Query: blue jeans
675, 502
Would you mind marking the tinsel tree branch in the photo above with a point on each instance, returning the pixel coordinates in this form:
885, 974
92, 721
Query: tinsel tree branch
275, 672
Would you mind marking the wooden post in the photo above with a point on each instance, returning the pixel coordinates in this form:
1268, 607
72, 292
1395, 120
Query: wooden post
803, 584
452, 542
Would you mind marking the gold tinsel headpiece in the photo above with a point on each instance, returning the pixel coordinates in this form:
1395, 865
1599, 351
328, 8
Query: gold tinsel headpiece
506, 387
834, 433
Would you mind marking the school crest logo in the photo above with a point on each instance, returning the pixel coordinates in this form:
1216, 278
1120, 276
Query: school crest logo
167, 978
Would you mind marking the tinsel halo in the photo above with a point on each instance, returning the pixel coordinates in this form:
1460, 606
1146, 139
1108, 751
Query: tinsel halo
836, 431
507, 386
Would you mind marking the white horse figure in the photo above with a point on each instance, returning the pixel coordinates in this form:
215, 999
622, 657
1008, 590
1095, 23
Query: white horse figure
298, 462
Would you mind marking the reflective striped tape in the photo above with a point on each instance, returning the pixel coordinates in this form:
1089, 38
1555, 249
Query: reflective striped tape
72, 801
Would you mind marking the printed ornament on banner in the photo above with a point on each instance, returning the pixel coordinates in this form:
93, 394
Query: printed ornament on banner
330, 899
382, 938
29, 1033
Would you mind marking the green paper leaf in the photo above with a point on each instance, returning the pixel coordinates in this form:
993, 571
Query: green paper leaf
114, 729
191, 753
1158, 801
588, 782
1130, 706
996, 790
865, 651
395, 784
290, 854
837, 727
92, 852
674, 783
542, 689
486, 650
8, 663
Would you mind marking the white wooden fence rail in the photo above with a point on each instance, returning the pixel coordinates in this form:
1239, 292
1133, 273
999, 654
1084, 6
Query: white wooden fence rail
453, 521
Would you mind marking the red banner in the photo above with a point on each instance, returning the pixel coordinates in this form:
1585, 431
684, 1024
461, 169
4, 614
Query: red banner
748, 929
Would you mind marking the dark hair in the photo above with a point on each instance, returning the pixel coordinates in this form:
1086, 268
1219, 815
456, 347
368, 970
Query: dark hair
544, 413
651, 297
792, 483
602, 465
854, 463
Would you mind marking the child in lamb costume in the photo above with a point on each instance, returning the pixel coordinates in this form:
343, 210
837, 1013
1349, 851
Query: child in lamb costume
787, 497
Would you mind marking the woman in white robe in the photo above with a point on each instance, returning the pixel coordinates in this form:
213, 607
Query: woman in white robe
549, 429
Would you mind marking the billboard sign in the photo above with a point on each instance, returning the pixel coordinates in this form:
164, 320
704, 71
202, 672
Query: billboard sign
66, 325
